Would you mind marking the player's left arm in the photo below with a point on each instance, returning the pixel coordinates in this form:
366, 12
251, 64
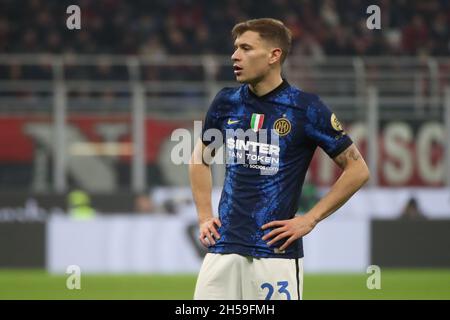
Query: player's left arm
354, 175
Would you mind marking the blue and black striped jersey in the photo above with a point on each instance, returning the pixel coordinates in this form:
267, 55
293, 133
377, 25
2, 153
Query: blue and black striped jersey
269, 142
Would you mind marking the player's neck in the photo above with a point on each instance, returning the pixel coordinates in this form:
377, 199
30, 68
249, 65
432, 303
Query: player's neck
265, 86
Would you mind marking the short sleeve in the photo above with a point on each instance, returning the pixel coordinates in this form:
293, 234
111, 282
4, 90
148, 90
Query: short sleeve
211, 120
324, 129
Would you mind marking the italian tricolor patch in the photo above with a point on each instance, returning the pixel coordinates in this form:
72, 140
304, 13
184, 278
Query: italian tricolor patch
257, 121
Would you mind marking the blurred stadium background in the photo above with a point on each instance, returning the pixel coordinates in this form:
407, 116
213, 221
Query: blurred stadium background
87, 115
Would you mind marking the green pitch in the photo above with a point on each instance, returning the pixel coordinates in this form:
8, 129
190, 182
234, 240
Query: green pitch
395, 284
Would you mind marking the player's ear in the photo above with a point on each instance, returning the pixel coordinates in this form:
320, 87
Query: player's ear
275, 55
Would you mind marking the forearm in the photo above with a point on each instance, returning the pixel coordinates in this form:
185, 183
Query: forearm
349, 182
201, 184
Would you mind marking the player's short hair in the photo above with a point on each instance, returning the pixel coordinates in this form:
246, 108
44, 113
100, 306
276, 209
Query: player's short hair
269, 29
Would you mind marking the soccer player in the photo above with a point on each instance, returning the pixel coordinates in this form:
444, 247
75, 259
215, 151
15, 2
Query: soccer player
255, 246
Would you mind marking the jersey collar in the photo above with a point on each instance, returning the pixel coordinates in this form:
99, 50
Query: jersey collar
278, 89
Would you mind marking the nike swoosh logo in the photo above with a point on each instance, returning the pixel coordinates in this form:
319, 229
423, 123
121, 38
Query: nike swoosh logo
233, 121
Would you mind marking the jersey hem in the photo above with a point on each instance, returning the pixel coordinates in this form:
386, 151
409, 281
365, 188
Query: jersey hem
251, 253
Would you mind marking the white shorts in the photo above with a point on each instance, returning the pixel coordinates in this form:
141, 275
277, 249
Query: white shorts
236, 277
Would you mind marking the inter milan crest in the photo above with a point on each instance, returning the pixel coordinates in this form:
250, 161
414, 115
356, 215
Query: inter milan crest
282, 126
257, 121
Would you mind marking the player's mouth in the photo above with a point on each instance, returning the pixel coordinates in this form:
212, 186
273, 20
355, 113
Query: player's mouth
237, 69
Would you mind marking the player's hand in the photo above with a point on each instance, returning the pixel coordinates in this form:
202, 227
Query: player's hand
292, 229
208, 231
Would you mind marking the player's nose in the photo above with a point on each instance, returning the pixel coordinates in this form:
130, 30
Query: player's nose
235, 56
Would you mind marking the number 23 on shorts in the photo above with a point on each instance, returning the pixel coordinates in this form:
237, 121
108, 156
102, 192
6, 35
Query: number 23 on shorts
281, 286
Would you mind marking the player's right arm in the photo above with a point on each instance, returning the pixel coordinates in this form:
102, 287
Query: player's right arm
201, 184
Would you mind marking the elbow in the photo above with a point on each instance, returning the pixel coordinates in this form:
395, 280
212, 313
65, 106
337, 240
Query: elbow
360, 175
364, 175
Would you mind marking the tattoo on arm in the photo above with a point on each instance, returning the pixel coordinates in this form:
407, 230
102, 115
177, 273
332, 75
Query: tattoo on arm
350, 154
